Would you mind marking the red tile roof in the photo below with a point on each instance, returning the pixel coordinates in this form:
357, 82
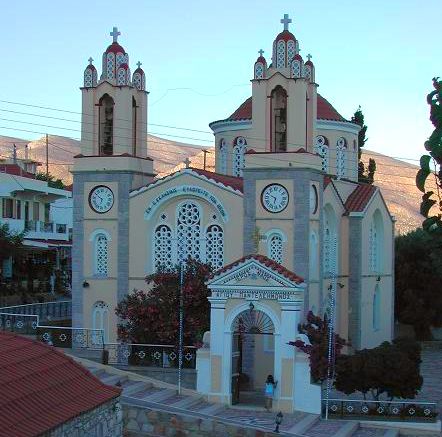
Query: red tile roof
41, 387
230, 181
325, 111
276, 267
15, 170
359, 198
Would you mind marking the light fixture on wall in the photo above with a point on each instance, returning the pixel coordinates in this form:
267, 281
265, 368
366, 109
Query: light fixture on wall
251, 306
341, 285
85, 284
378, 279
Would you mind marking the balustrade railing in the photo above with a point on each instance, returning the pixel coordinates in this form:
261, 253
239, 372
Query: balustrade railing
150, 355
404, 410
25, 324
57, 310
67, 337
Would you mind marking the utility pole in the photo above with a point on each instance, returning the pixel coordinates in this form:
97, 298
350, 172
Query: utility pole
47, 158
204, 162
180, 351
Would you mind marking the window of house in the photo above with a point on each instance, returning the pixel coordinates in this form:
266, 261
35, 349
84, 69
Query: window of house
8, 208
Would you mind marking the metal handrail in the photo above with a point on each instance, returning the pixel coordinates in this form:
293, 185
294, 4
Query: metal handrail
405, 401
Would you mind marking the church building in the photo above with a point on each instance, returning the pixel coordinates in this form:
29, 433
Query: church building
283, 221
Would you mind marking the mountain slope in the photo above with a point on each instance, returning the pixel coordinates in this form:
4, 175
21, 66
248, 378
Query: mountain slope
395, 178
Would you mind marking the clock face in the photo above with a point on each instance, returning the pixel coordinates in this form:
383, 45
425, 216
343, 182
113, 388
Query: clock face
275, 198
101, 199
313, 199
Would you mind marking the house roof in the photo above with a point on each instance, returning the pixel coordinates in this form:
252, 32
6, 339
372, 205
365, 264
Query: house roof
325, 111
276, 267
15, 170
230, 181
42, 388
358, 200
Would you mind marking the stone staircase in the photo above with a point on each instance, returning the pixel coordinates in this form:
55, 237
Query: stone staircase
155, 395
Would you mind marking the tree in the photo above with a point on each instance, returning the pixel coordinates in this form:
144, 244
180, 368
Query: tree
391, 369
431, 164
153, 316
11, 243
358, 118
317, 332
418, 275
52, 182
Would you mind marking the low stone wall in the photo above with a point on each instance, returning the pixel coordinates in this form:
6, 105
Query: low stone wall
145, 422
106, 420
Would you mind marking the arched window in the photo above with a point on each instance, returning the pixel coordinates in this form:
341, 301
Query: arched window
188, 231
215, 246
106, 121
341, 147
110, 65
280, 54
279, 119
291, 51
321, 148
163, 248
222, 156
121, 59
101, 255
100, 319
376, 238
313, 256
275, 247
308, 72
134, 127
330, 242
296, 68
239, 150
259, 70
376, 308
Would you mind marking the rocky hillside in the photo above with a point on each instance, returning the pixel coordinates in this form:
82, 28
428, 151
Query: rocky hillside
394, 177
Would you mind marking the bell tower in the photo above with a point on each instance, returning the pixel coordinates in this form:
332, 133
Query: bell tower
113, 161
284, 97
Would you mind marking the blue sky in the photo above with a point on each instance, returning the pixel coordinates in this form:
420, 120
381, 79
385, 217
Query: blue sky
198, 57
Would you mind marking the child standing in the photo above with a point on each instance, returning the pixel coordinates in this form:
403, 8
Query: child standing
269, 391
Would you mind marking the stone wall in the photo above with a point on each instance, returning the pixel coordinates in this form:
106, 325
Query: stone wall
104, 421
140, 422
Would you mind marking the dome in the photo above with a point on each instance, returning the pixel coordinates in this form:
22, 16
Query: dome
298, 57
261, 59
124, 65
115, 48
285, 35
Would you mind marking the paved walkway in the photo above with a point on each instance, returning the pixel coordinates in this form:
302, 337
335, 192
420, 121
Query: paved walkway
151, 394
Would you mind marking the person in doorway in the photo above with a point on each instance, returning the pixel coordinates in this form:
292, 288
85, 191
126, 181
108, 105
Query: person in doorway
269, 391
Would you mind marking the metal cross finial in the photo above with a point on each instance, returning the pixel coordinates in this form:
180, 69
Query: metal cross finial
139, 64
187, 162
261, 52
115, 34
90, 60
286, 21
309, 56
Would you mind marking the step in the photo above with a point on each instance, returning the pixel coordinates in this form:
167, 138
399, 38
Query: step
347, 430
304, 424
160, 395
391, 433
187, 402
114, 379
135, 388
96, 371
212, 409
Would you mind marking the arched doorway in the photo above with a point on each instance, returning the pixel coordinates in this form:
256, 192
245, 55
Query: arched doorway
253, 355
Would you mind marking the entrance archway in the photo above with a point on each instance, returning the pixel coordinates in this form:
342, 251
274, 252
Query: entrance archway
253, 355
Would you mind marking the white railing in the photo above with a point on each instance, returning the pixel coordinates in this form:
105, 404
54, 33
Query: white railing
56, 310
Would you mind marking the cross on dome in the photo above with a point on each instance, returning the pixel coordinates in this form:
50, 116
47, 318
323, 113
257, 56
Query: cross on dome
261, 52
309, 56
139, 64
90, 60
115, 33
286, 21
187, 162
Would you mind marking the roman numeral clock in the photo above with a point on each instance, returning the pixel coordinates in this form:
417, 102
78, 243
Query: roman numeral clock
274, 198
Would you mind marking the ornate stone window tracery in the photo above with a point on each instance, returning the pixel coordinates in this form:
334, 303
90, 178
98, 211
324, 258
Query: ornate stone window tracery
259, 70
296, 68
110, 66
101, 255
163, 248
280, 54
189, 231
100, 320
223, 156
341, 146
215, 246
291, 51
321, 148
121, 79
275, 247
239, 151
